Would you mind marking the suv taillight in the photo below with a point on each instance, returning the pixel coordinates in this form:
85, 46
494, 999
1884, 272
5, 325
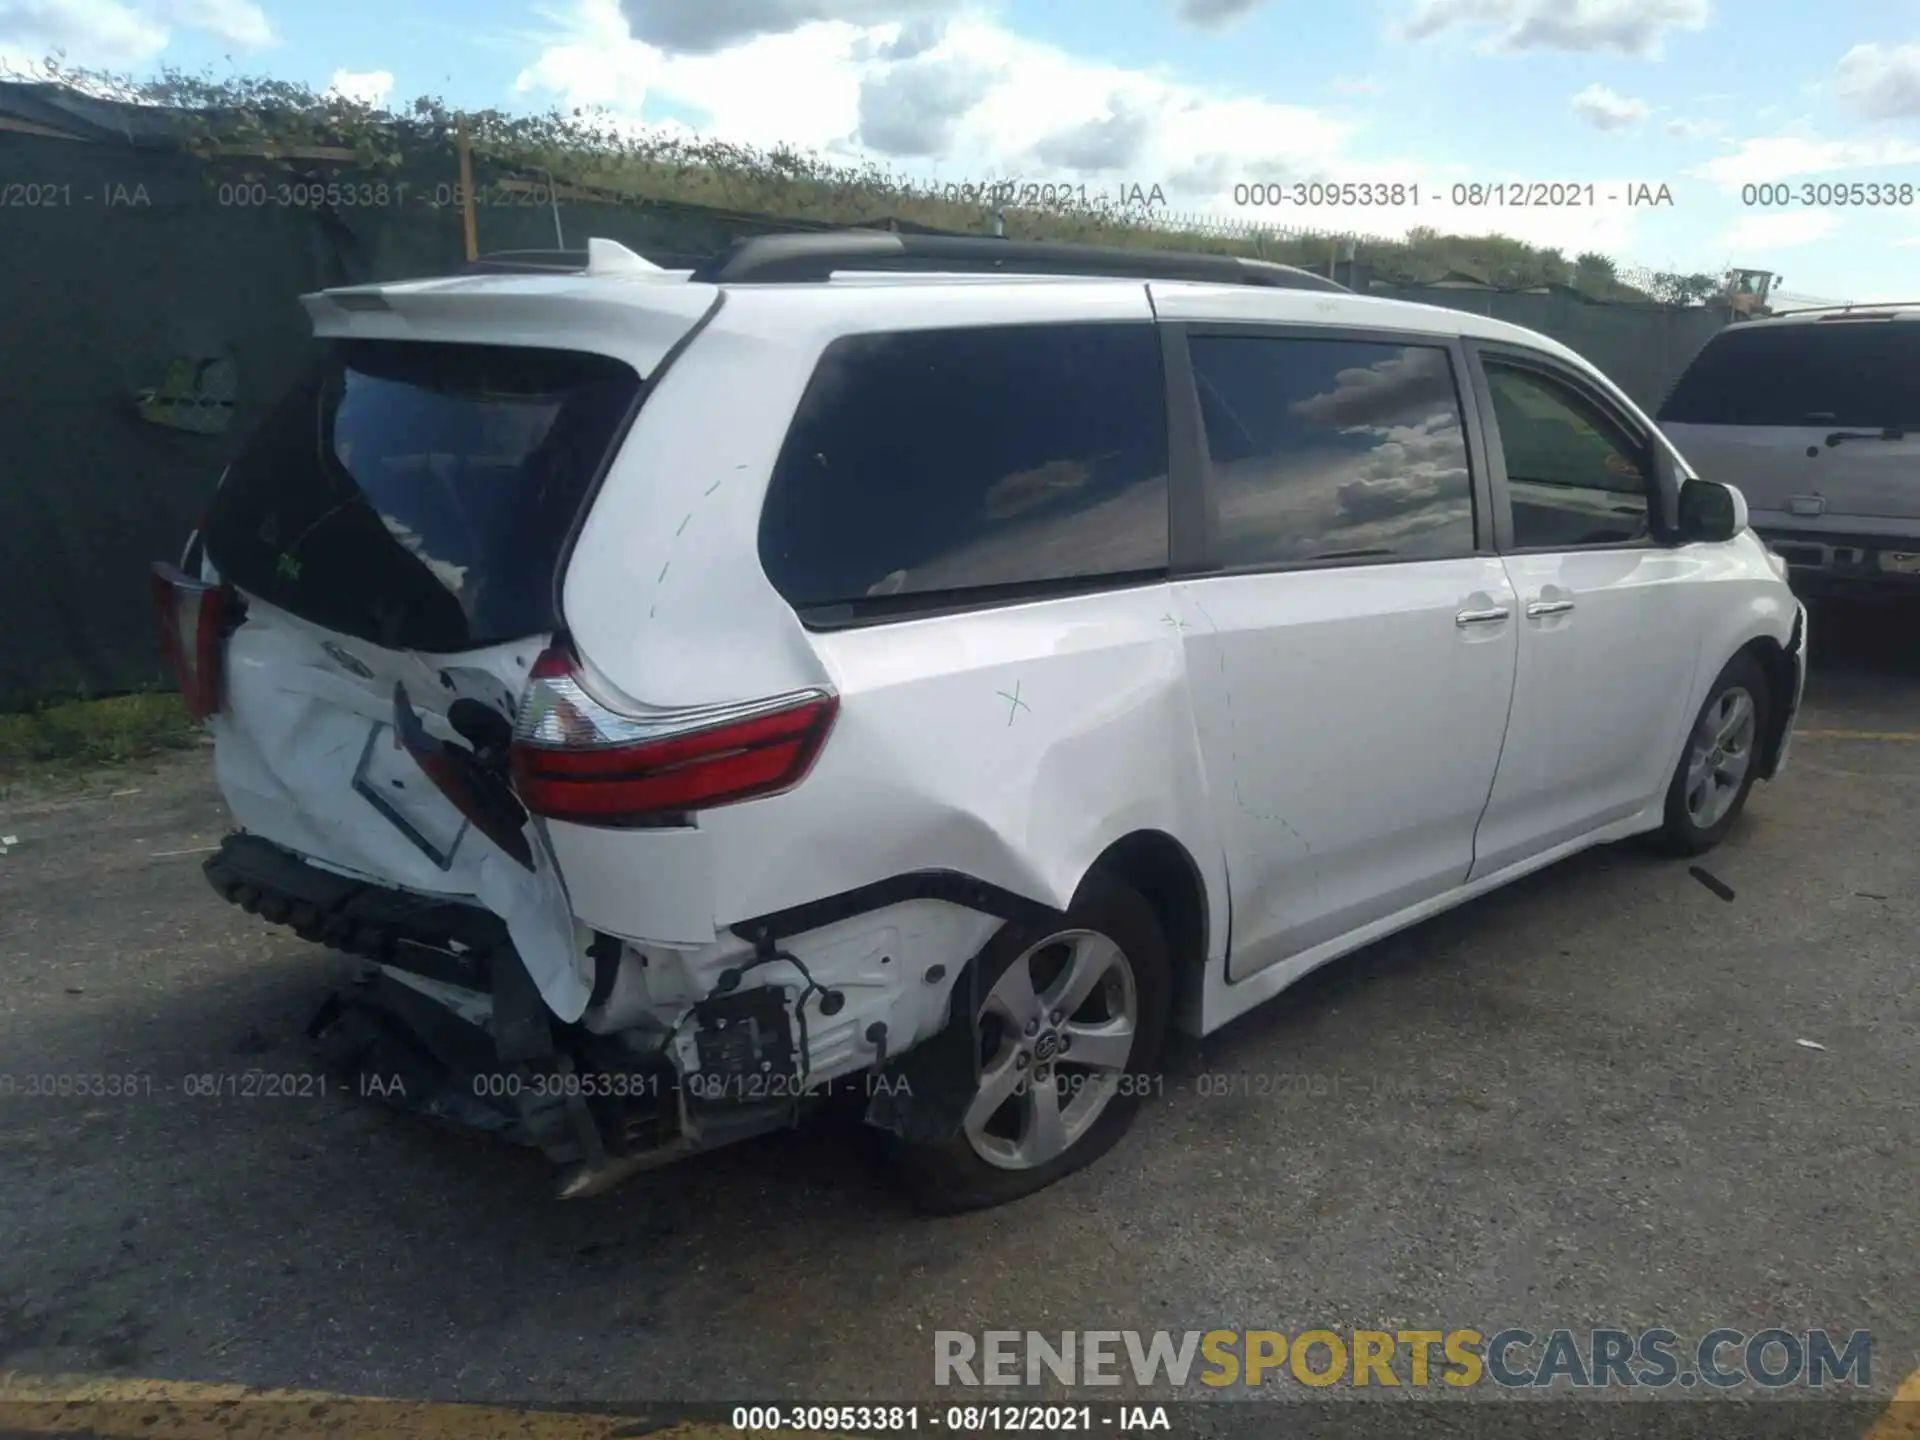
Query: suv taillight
192, 628
577, 759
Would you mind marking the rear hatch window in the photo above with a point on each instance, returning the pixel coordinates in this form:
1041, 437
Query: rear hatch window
421, 495
1847, 374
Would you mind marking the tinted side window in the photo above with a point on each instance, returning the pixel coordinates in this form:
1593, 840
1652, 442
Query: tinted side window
927, 462
1843, 373
1573, 477
1332, 449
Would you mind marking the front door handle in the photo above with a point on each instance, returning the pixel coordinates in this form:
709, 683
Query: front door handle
1490, 616
1548, 607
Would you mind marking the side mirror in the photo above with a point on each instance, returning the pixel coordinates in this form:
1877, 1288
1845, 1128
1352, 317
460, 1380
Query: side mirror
1711, 512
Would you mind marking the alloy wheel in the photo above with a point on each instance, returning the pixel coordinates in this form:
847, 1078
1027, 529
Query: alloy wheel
1056, 1032
1720, 756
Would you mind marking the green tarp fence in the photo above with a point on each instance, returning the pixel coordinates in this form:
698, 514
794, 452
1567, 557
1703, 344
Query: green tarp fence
149, 311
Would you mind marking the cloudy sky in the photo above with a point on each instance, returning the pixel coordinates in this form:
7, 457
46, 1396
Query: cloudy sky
1192, 96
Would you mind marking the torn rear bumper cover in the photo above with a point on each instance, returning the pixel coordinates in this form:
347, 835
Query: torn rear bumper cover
500, 1063
450, 1026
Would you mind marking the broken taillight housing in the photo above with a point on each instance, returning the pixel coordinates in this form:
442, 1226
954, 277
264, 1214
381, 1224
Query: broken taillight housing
193, 617
576, 758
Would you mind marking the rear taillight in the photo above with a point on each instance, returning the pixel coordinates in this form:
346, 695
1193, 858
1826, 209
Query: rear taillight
577, 759
192, 620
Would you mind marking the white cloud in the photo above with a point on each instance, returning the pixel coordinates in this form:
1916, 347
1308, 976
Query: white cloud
1779, 230
1783, 157
97, 33
238, 22
799, 88
1382, 395
112, 35
1627, 27
707, 27
912, 39
1606, 109
974, 102
1215, 14
914, 108
1104, 144
1683, 128
1882, 82
369, 87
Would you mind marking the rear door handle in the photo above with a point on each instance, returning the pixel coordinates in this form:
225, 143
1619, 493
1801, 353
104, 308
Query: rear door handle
1481, 617
1548, 607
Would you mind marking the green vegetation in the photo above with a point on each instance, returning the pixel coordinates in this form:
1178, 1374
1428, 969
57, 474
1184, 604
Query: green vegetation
83, 735
257, 127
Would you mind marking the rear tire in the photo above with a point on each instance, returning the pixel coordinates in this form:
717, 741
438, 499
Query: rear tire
1082, 1003
1720, 761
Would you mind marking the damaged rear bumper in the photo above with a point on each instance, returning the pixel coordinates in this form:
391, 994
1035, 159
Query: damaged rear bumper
447, 1023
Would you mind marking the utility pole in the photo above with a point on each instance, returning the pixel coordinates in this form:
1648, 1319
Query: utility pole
466, 191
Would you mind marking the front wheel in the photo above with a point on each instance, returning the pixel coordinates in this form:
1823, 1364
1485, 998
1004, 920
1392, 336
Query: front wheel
1720, 762
1069, 1032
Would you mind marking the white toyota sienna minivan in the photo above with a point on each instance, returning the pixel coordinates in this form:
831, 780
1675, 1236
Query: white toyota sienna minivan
927, 670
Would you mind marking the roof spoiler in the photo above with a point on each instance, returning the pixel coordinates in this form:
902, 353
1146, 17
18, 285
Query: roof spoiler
601, 257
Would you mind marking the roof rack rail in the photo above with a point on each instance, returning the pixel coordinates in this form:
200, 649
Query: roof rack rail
775, 259
1867, 307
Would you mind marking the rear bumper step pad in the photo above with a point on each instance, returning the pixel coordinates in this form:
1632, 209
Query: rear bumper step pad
439, 939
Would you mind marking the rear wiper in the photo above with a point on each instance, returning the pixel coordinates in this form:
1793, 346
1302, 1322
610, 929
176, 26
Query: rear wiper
1892, 432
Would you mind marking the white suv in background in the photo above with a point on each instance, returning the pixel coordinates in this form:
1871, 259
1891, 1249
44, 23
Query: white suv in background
1815, 414
908, 667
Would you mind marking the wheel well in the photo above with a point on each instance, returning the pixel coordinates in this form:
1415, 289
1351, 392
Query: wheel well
1777, 666
1159, 867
